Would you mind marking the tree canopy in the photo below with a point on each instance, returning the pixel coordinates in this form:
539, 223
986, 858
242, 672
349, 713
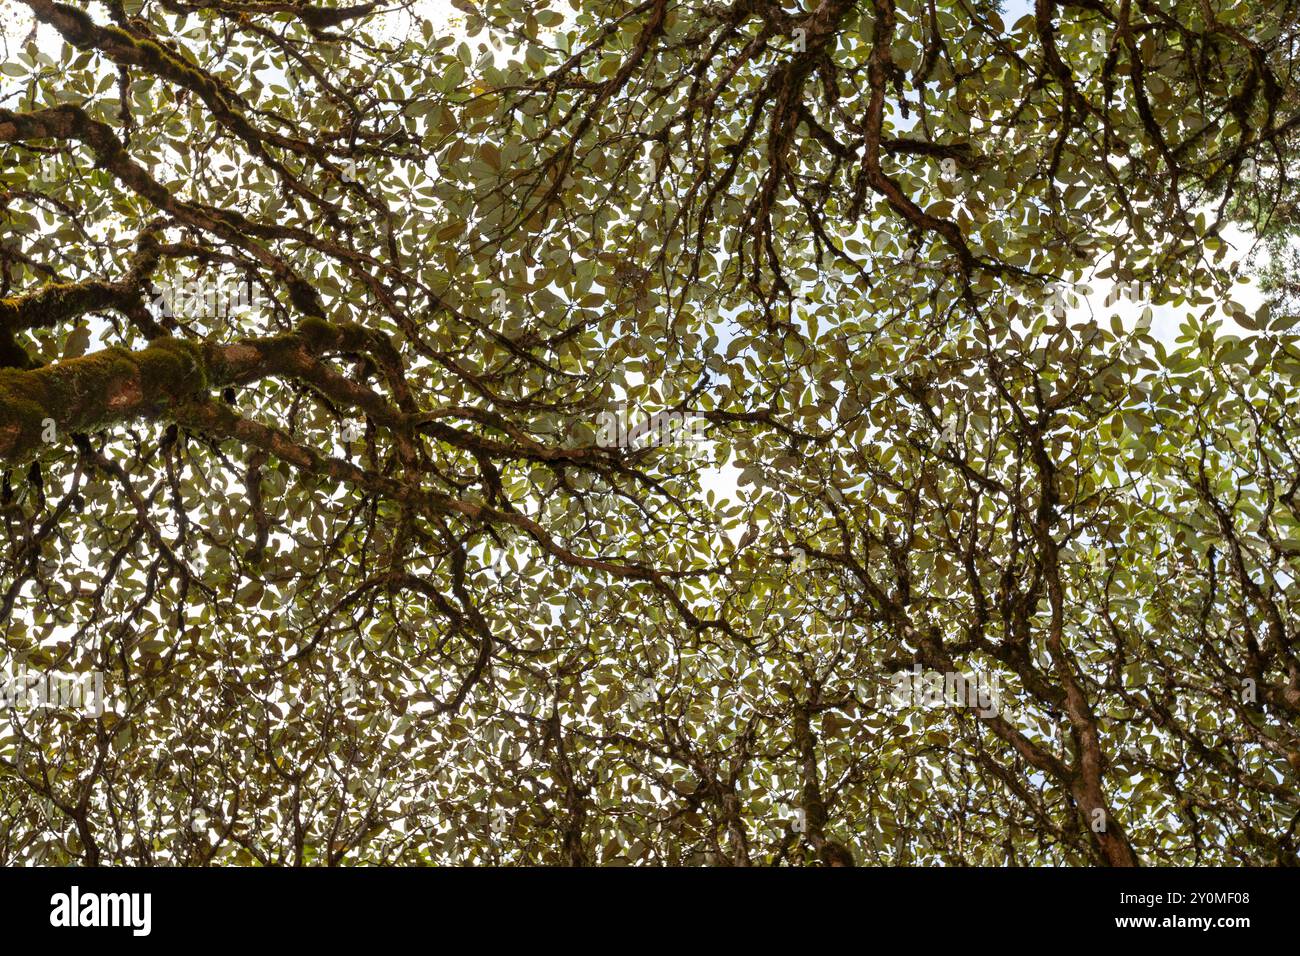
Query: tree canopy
665, 432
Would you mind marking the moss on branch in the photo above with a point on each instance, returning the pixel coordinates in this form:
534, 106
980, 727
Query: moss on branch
116, 384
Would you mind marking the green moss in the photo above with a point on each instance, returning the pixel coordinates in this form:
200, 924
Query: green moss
171, 367
354, 337
15, 397
45, 306
78, 388
162, 371
321, 335
76, 393
19, 406
317, 332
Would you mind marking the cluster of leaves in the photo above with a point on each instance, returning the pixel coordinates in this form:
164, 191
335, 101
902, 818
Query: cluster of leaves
365, 584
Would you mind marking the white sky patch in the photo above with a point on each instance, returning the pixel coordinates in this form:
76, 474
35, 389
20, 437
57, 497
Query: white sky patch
16, 22
1088, 299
